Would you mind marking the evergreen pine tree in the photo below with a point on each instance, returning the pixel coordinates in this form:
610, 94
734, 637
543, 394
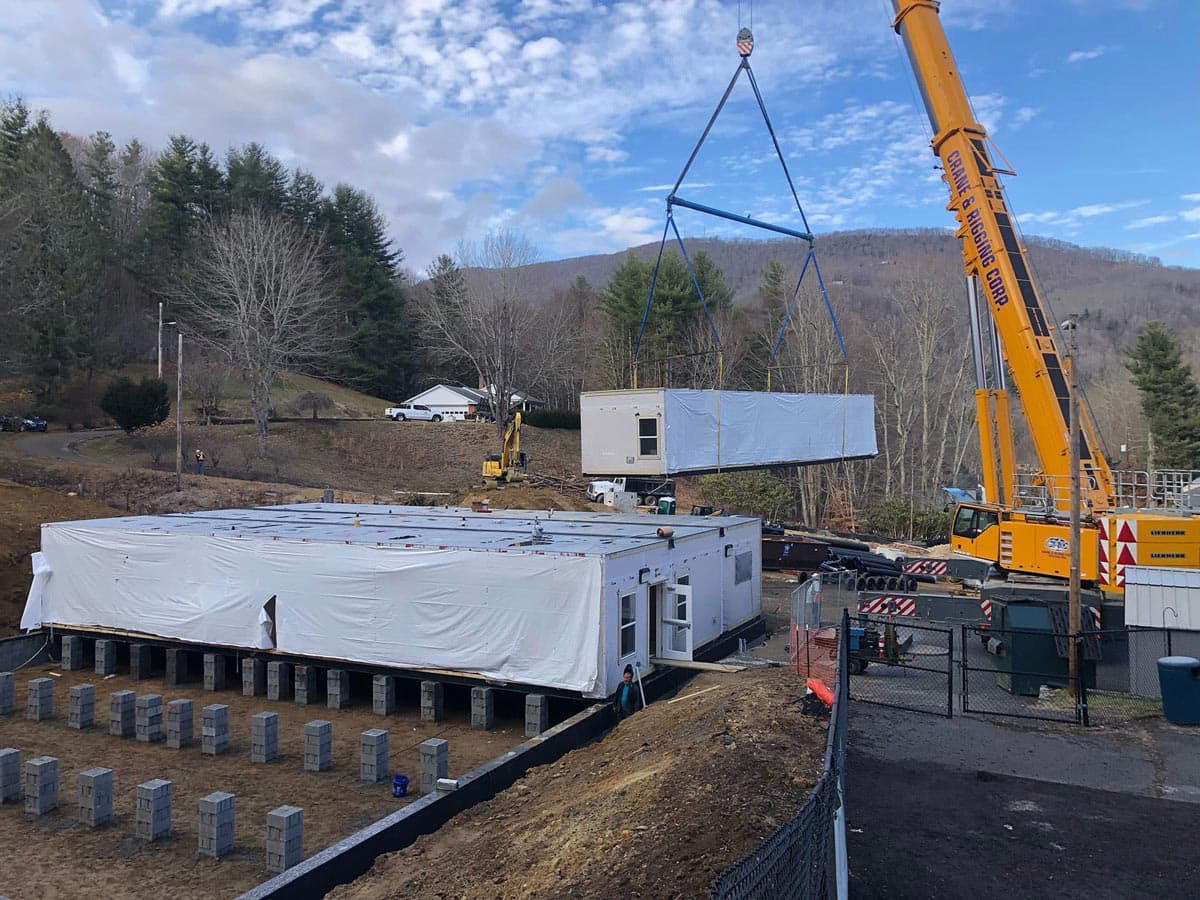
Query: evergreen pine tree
1170, 396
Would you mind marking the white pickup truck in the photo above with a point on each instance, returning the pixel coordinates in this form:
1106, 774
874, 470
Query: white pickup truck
647, 489
406, 411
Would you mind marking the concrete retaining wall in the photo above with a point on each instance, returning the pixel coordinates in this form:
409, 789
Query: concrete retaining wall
23, 649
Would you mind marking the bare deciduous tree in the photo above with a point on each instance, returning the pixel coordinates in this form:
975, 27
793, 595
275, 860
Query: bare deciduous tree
256, 291
480, 311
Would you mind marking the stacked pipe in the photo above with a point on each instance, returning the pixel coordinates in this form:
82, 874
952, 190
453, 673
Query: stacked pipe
873, 571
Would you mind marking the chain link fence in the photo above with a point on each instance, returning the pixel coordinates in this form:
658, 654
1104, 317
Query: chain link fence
801, 860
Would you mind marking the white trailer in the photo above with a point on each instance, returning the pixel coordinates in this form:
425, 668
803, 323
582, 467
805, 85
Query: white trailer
554, 600
660, 431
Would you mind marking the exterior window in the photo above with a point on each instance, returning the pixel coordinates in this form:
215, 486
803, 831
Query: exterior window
743, 567
648, 437
628, 624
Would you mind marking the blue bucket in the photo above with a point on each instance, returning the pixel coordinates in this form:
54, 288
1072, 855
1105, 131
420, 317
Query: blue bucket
399, 785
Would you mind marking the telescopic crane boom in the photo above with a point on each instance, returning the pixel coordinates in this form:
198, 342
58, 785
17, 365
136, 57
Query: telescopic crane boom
1011, 528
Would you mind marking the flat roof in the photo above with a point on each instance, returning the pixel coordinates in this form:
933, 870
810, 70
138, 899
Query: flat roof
511, 530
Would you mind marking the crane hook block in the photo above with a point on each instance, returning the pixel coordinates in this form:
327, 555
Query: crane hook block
745, 43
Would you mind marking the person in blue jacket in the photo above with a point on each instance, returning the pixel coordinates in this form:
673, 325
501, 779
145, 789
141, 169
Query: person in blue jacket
628, 699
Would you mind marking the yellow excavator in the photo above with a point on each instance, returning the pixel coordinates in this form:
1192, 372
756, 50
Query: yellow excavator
1021, 525
507, 466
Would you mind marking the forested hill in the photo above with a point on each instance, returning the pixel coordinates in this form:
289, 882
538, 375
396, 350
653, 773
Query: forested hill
1121, 289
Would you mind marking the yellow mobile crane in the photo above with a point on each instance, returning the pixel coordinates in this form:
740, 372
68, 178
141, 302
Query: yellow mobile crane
509, 464
1022, 524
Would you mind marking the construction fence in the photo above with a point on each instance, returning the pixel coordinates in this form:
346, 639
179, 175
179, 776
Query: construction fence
806, 857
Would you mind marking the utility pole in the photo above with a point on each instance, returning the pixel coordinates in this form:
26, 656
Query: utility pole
160, 340
1073, 611
179, 416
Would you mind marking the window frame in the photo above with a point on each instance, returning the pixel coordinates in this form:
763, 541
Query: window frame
629, 624
656, 437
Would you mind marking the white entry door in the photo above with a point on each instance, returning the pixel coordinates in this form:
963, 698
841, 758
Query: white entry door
675, 627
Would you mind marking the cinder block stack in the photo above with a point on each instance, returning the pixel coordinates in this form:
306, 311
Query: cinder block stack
139, 661
176, 667
40, 705
106, 657
373, 756
72, 652
537, 714
483, 708
433, 705
337, 688
306, 685
214, 672
41, 785
279, 681
254, 677
153, 816
179, 723
82, 711
8, 694
216, 824
435, 763
285, 838
121, 713
149, 718
383, 695
96, 797
264, 737
214, 729
318, 745
10, 776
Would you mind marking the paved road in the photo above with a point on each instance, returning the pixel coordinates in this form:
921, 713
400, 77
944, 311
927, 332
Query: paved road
966, 807
61, 444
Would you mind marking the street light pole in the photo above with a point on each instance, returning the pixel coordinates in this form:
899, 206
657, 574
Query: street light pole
179, 416
1073, 611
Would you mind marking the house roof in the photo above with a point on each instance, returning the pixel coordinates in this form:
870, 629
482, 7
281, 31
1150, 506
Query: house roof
472, 395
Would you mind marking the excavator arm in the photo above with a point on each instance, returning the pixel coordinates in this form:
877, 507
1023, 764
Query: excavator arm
994, 260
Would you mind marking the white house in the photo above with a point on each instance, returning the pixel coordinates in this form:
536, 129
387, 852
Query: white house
458, 402
561, 600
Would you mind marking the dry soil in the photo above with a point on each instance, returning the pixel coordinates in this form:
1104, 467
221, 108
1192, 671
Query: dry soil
55, 857
656, 809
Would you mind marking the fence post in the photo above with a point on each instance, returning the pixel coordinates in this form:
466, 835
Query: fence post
963, 698
949, 673
839, 724
1081, 700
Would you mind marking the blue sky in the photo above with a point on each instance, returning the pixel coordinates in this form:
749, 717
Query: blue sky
566, 120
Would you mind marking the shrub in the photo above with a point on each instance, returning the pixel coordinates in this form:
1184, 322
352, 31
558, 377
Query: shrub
552, 418
896, 517
133, 406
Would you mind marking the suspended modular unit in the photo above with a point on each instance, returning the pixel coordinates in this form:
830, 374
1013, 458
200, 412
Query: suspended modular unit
561, 600
661, 431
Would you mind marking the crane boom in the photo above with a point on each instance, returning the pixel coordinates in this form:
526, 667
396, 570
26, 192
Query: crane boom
995, 260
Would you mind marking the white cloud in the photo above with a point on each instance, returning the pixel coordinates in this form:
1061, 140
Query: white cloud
1024, 115
132, 72
1192, 198
1072, 218
1191, 215
1150, 221
1084, 55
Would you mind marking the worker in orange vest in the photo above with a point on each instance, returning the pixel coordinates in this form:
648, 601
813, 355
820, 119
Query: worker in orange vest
199, 462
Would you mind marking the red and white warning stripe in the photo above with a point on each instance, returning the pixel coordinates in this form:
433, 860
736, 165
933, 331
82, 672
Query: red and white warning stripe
1103, 550
896, 606
1126, 548
985, 606
1095, 613
926, 567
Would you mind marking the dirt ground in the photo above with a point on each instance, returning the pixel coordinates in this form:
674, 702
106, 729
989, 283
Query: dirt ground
657, 808
58, 858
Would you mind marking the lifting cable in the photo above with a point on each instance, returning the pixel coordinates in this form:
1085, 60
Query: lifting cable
745, 46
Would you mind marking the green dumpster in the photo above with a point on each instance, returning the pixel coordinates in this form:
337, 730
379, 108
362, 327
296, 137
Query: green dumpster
1179, 681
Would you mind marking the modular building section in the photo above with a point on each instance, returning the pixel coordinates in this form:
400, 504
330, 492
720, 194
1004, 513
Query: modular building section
557, 600
1166, 602
660, 431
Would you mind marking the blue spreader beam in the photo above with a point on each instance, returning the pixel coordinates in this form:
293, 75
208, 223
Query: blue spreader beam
734, 217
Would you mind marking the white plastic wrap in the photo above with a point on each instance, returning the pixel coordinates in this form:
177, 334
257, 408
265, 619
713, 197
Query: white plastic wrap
389, 606
708, 430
